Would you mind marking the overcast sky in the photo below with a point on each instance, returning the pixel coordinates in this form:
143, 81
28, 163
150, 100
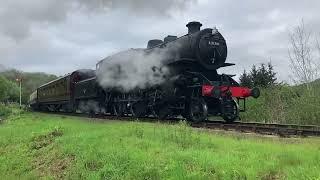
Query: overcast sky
58, 37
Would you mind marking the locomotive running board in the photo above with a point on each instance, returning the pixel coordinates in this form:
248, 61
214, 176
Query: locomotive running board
227, 64
222, 65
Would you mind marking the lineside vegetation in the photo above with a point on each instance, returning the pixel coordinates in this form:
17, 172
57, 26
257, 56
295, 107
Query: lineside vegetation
286, 104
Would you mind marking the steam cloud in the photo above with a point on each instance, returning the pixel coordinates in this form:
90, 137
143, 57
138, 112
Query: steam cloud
18, 17
90, 107
134, 68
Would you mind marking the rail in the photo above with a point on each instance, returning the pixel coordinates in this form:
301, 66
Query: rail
283, 130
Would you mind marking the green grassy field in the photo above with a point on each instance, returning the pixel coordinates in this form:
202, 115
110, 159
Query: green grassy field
36, 145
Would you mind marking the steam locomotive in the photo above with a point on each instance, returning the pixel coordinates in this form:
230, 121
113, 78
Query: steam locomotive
190, 86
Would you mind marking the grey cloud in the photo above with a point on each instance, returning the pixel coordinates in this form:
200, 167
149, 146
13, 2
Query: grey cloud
147, 7
18, 17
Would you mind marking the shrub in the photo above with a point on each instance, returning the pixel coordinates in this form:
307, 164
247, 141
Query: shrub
4, 111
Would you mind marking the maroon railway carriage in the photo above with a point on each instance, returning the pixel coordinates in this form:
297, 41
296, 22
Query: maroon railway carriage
58, 94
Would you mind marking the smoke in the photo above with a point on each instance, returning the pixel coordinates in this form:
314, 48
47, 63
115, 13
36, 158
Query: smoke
90, 107
135, 68
18, 17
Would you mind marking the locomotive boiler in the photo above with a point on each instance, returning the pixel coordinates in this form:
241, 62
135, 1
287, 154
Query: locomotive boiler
205, 47
184, 81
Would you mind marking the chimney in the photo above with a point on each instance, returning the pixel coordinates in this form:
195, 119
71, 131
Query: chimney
193, 27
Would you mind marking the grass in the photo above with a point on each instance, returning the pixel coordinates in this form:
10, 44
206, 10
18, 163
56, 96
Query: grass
36, 145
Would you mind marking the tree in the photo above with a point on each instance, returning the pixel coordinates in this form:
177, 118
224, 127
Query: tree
301, 55
271, 75
263, 76
3, 88
13, 91
245, 79
9, 91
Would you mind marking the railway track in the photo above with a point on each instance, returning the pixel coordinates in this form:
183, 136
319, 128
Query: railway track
282, 130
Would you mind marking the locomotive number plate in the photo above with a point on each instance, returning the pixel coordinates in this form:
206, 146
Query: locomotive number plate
213, 43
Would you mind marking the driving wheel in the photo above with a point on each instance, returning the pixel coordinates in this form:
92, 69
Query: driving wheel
197, 110
139, 109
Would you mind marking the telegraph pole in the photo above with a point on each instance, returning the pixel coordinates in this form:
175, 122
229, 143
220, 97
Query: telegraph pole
20, 93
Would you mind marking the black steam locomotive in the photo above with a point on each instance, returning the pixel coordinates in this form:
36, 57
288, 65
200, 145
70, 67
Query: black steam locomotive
190, 86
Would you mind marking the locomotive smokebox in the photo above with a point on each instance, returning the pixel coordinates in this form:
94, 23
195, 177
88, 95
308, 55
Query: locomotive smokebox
193, 27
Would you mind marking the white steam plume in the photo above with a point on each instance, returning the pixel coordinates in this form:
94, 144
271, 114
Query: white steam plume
90, 107
134, 68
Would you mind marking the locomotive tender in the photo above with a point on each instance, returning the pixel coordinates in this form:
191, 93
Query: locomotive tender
192, 88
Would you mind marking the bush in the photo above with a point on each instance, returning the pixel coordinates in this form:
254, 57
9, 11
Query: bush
4, 111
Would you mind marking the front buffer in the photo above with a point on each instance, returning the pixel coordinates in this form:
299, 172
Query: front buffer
224, 100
